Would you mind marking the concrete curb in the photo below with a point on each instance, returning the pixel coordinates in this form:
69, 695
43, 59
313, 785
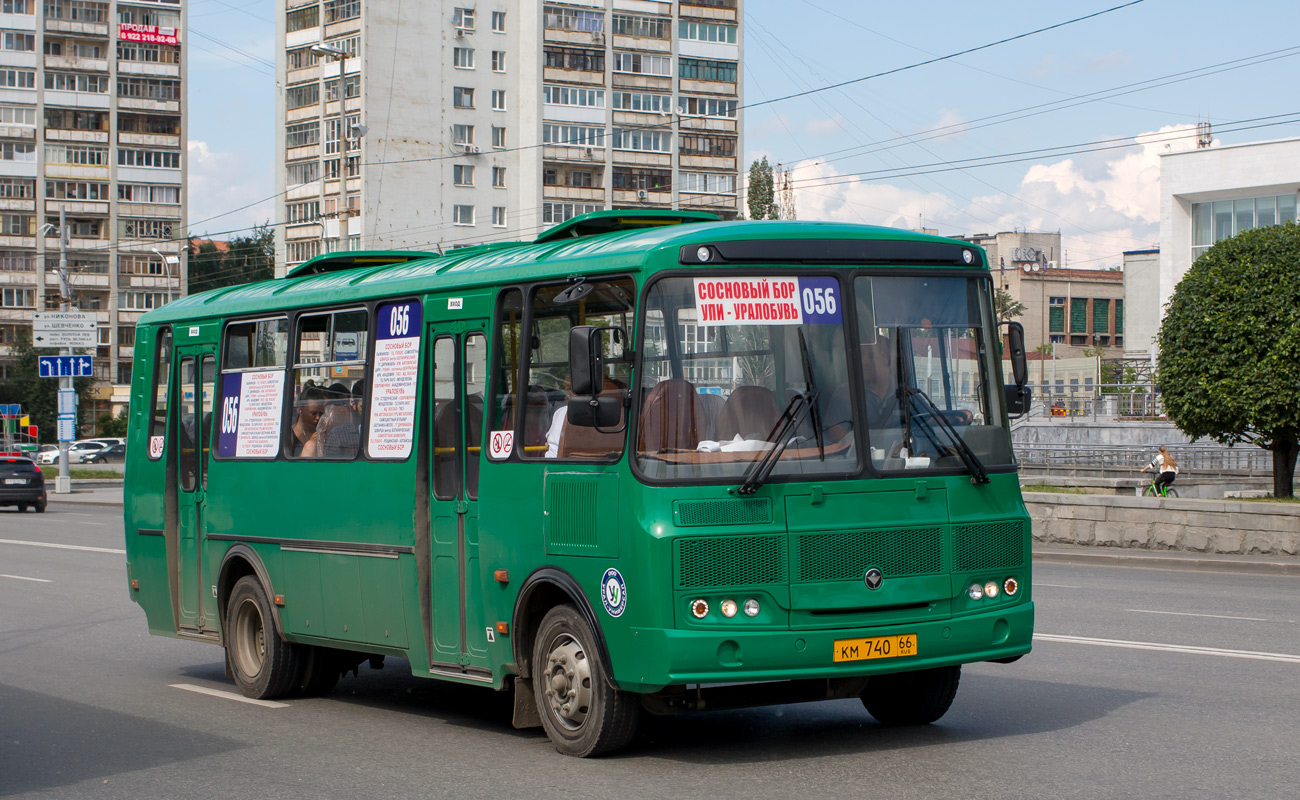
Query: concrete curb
1169, 562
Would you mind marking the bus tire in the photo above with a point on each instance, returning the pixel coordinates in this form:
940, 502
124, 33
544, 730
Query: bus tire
320, 671
263, 665
581, 710
911, 698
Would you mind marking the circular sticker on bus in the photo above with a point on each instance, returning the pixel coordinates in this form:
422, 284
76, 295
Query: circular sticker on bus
613, 593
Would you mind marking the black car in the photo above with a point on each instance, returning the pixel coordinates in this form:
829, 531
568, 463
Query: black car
115, 453
21, 483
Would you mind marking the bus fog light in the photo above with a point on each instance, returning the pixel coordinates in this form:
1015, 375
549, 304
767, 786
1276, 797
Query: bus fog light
1011, 586
991, 589
751, 608
700, 608
728, 608
975, 591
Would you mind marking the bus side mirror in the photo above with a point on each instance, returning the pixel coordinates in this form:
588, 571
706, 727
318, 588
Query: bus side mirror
1016, 342
1018, 399
589, 346
584, 360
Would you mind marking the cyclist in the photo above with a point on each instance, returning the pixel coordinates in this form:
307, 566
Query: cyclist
1165, 468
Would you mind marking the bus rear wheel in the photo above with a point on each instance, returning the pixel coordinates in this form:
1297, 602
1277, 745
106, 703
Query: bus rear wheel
582, 712
263, 664
911, 698
321, 667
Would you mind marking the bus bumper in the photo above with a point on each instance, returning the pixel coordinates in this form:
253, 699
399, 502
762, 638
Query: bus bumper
663, 657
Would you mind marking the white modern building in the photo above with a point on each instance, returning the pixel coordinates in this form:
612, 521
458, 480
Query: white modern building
92, 122
474, 122
1206, 195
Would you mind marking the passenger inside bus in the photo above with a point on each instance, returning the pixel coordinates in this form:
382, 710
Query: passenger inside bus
311, 407
880, 393
339, 432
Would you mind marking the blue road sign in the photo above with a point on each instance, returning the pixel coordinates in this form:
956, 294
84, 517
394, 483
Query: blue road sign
65, 366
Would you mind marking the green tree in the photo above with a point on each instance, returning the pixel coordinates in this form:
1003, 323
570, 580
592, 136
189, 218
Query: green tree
1007, 306
110, 425
248, 259
760, 196
38, 396
1229, 363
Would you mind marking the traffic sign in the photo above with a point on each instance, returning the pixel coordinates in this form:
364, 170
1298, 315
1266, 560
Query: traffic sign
67, 427
67, 401
64, 329
65, 366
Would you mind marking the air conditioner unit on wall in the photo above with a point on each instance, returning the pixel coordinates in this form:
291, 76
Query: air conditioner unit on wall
473, 148
1051, 265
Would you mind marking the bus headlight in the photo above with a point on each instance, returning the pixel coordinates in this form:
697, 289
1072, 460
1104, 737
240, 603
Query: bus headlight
699, 608
975, 591
751, 607
991, 589
728, 608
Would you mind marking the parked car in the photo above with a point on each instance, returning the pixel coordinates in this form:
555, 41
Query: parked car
107, 442
75, 452
21, 483
115, 452
49, 454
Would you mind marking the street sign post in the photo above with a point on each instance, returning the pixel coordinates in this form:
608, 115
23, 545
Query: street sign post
64, 329
65, 366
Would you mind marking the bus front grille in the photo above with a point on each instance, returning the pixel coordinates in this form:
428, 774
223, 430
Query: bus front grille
992, 545
738, 511
720, 561
847, 555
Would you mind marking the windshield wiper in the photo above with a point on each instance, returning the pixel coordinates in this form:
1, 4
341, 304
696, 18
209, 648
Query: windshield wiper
811, 396
978, 473
760, 469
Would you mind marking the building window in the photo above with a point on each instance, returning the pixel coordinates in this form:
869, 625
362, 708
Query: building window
302, 172
17, 78
18, 7
296, 252
141, 301
1078, 315
302, 212
148, 53
498, 22
1119, 320
18, 188
498, 61
1216, 221
498, 99
697, 69
18, 298
20, 151
550, 177
340, 10
19, 42
498, 216
555, 213
641, 27
302, 96
133, 123
301, 19
573, 58
301, 58
499, 177
462, 97
149, 193
125, 335
462, 174
642, 140
76, 190
160, 159
144, 228
581, 179
462, 134
650, 180
708, 107
1056, 314
351, 88
1101, 316
462, 215
80, 82
462, 57
702, 144
706, 32
574, 96
572, 19
463, 18
643, 64
574, 135
146, 88
708, 182
498, 136
637, 101
302, 134
140, 265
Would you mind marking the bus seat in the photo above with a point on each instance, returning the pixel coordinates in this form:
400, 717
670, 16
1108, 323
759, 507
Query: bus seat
578, 441
750, 411
672, 417
712, 404
537, 416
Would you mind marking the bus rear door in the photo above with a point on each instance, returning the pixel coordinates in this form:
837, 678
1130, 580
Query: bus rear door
457, 384
194, 384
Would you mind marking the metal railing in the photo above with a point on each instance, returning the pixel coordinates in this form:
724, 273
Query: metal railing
1191, 458
1096, 401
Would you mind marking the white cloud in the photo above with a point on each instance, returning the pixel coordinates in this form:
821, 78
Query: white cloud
221, 181
825, 126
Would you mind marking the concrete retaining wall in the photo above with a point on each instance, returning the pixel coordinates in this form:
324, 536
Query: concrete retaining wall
1199, 526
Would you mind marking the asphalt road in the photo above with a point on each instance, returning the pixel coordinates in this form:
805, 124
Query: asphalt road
88, 706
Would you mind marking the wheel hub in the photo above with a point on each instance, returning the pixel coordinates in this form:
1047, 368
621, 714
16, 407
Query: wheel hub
568, 683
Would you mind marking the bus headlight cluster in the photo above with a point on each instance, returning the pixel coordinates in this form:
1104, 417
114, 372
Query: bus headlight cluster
729, 608
991, 589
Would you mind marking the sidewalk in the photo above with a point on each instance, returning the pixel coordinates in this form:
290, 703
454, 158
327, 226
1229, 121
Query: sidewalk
1165, 559
86, 495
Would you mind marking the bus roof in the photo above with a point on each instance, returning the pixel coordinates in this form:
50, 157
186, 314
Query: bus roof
364, 275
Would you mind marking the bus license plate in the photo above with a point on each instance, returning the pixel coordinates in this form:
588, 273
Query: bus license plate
875, 647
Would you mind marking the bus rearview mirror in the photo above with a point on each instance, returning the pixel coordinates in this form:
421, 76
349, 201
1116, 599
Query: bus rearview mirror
1016, 343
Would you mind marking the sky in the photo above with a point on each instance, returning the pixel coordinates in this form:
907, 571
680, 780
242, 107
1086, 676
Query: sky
1056, 130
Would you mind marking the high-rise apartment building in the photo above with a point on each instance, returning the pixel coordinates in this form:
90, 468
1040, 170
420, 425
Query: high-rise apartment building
92, 122
468, 122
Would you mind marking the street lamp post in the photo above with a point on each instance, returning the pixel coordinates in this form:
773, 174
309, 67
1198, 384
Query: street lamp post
168, 262
340, 55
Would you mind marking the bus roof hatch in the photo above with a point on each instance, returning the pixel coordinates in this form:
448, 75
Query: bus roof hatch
335, 262
598, 222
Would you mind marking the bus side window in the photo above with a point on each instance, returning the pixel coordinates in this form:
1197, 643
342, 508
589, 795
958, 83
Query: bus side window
506, 372
446, 420
162, 380
329, 372
475, 388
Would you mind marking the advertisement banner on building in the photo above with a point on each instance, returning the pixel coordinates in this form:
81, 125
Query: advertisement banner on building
151, 34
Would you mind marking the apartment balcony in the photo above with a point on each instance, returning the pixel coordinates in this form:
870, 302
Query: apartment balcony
18, 242
157, 283
688, 86
17, 132
125, 353
712, 11
62, 135
146, 104
21, 280
708, 202
76, 26
343, 28
298, 153
584, 155
587, 39
148, 210
712, 163
582, 194
633, 197
659, 84
297, 233
77, 62
89, 172
150, 69
17, 314
636, 158
150, 139
719, 124
11, 204
89, 280
306, 74
573, 76
643, 44
75, 208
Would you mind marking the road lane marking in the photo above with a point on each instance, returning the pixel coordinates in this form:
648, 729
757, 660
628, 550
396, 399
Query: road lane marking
1057, 585
65, 546
1189, 614
21, 578
1170, 648
189, 687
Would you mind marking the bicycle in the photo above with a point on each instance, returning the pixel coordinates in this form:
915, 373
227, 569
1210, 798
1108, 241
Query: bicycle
1163, 491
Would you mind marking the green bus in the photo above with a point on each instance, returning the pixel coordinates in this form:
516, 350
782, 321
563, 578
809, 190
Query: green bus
650, 462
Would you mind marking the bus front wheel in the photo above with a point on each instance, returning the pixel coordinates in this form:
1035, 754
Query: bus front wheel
263, 664
911, 698
582, 712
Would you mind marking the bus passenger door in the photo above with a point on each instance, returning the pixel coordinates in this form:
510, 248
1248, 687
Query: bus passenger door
458, 381
196, 371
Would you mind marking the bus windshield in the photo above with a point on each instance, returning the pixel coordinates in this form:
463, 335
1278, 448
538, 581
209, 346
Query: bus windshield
929, 390
735, 368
